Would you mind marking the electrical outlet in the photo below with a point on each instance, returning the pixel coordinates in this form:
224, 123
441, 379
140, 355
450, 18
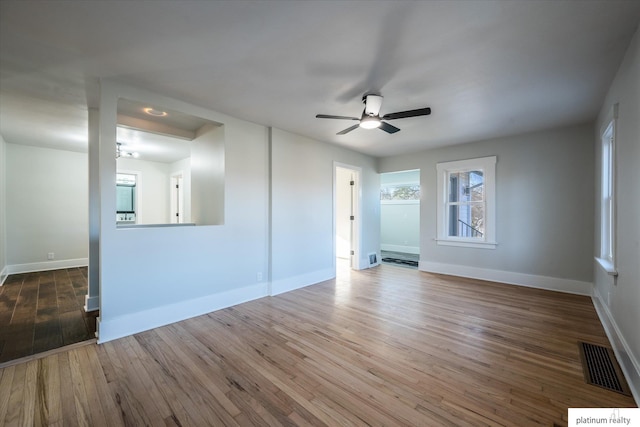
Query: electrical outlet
51, 256
259, 276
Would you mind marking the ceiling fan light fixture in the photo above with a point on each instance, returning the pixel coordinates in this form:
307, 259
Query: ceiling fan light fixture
370, 122
121, 153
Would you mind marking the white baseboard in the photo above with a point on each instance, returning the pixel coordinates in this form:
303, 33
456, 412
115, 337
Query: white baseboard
144, 320
3, 275
91, 303
47, 265
628, 362
297, 282
399, 248
509, 277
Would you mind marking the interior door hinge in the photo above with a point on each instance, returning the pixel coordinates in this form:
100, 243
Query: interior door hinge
352, 217
352, 183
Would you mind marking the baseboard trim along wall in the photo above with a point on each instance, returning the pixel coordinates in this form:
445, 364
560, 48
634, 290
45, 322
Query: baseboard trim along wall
629, 364
3, 275
144, 320
91, 303
297, 282
46, 265
509, 277
399, 248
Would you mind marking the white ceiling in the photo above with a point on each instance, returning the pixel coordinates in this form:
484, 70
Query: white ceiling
486, 68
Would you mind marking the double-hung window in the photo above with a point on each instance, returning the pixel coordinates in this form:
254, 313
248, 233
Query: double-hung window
607, 198
466, 203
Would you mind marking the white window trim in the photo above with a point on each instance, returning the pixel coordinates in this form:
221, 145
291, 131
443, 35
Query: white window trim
608, 263
488, 166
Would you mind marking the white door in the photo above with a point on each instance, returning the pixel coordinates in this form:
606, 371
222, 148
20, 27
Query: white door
346, 216
177, 200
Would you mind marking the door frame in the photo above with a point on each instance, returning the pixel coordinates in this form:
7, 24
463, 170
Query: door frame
356, 262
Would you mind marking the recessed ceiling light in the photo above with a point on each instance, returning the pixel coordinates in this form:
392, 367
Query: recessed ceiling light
153, 112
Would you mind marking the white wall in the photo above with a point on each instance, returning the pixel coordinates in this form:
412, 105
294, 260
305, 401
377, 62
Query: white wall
400, 226
46, 207
3, 205
207, 176
153, 189
154, 276
278, 226
302, 250
544, 209
621, 315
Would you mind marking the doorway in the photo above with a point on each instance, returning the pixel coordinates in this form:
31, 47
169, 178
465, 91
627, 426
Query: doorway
400, 218
346, 217
176, 215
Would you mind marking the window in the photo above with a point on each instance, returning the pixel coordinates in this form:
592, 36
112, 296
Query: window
466, 203
126, 198
607, 198
400, 192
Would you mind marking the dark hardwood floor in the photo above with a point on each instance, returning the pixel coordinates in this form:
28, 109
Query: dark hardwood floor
43, 311
387, 346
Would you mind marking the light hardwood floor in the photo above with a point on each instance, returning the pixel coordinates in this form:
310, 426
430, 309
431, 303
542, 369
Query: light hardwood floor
386, 346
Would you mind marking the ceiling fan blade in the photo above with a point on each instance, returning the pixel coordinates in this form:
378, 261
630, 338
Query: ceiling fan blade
388, 128
405, 114
328, 116
349, 129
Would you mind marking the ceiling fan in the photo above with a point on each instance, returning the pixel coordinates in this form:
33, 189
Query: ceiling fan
371, 116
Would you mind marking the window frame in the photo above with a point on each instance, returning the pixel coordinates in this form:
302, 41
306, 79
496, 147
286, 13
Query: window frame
488, 166
402, 184
607, 198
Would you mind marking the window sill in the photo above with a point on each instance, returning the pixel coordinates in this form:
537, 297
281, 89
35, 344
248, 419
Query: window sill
467, 244
607, 266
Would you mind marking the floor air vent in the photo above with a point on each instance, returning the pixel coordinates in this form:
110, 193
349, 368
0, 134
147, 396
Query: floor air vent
401, 261
601, 368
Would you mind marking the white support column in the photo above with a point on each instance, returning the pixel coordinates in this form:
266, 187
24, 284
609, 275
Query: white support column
92, 300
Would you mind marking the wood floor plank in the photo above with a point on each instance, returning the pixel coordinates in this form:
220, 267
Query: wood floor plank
30, 394
9, 293
5, 386
85, 414
49, 405
133, 397
181, 413
194, 385
69, 412
16, 393
47, 333
379, 347
73, 326
95, 374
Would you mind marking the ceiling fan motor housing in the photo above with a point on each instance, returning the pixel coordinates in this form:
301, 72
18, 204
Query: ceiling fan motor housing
372, 104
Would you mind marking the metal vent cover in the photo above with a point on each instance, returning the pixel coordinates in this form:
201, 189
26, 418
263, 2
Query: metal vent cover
601, 368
